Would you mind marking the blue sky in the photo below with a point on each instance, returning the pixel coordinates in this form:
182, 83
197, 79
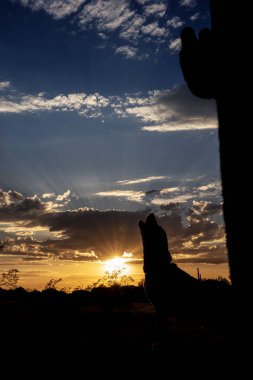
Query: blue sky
95, 115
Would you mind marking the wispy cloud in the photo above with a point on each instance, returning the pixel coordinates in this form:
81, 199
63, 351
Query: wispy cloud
131, 30
188, 3
172, 199
141, 180
140, 24
185, 126
105, 15
157, 9
127, 51
131, 195
210, 186
165, 193
88, 105
154, 30
175, 22
175, 45
158, 111
195, 16
58, 9
4, 85
169, 110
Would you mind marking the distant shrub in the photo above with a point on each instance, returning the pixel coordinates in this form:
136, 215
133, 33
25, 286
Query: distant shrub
52, 284
111, 279
223, 280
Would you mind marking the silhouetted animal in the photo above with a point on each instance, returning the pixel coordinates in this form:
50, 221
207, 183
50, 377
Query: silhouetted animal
172, 291
213, 67
164, 281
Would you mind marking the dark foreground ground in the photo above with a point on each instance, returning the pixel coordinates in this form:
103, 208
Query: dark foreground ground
111, 328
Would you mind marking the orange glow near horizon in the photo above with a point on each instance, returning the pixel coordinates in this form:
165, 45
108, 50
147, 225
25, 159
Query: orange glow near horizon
75, 274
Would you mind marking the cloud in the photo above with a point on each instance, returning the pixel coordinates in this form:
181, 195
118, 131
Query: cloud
205, 209
194, 17
64, 196
170, 110
141, 180
143, 1
131, 195
180, 198
175, 127
170, 190
105, 15
187, 3
14, 205
88, 105
140, 24
194, 232
48, 195
159, 110
131, 30
157, 9
175, 45
167, 190
127, 255
210, 186
175, 22
4, 85
127, 51
154, 30
58, 9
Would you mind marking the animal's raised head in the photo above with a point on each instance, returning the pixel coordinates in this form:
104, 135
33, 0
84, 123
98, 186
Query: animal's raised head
155, 245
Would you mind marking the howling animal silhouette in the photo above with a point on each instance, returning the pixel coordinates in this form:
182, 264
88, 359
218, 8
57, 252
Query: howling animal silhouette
164, 281
173, 292
213, 67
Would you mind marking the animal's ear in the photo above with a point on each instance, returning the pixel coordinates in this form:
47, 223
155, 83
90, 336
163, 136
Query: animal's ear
151, 220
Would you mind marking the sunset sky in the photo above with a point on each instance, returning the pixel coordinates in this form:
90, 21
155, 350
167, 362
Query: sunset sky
97, 130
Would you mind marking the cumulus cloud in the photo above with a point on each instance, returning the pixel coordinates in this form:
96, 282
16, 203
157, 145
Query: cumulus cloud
14, 205
127, 51
58, 9
205, 209
88, 105
175, 22
154, 30
175, 45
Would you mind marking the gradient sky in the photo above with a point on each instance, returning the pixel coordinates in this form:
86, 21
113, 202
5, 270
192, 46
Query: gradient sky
97, 129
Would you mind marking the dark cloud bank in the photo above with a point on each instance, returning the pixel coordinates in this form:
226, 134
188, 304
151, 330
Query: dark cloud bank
195, 232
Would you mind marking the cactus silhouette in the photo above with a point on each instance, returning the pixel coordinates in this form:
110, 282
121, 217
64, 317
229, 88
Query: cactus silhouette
214, 68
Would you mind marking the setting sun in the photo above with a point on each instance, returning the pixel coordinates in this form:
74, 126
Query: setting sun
116, 264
